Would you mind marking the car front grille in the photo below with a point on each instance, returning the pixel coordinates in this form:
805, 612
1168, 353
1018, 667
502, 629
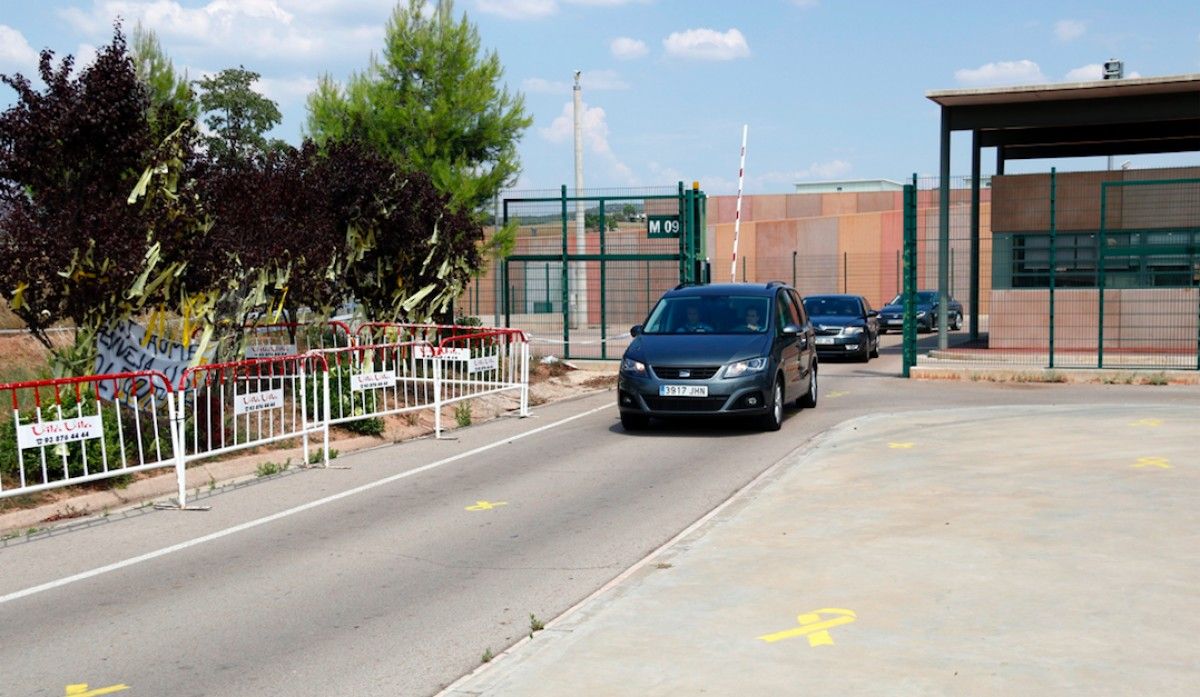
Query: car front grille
677, 372
696, 404
827, 331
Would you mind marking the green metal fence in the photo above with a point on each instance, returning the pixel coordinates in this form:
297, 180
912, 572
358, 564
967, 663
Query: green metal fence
587, 267
1076, 269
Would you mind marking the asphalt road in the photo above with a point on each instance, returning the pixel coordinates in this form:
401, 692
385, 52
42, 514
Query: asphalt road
381, 579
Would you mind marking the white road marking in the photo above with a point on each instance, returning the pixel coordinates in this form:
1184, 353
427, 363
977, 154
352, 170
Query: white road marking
116, 566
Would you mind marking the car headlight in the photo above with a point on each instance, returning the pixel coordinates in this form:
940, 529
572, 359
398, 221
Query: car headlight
754, 365
921, 313
851, 331
631, 366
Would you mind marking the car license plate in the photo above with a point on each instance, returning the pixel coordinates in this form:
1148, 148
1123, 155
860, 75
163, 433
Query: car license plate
683, 390
824, 340
895, 321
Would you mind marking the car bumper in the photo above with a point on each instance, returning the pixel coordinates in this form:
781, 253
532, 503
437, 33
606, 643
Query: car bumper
840, 345
736, 397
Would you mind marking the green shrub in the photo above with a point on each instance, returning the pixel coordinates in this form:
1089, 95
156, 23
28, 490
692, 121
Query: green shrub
345, 402
462, 414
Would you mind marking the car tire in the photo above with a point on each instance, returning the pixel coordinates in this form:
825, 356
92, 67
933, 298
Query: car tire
875, 350
864, 355
809, 399
956, 323
634, 422
773, 419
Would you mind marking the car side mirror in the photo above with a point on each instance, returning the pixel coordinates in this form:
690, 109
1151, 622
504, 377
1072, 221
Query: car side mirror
635, 330
792, 329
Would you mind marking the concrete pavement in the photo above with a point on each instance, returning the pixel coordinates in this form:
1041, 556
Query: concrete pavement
1031, 550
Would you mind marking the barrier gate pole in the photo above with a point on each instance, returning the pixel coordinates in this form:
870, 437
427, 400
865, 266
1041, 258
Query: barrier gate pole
303, 411
175, 416
524, 379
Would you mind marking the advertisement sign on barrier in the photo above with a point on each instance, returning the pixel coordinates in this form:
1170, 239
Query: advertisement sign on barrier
61, 431
482, 363
270, 350
372, 381
449, 354
250, 402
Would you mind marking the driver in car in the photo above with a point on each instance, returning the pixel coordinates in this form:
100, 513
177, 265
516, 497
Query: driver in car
693, 324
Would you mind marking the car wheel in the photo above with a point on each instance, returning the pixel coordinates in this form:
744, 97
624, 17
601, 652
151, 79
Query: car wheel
634, 422
809, 400
864, 354
956, 324
773, 419
875, 351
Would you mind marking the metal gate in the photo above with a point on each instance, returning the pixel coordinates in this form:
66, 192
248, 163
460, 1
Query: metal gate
585, 268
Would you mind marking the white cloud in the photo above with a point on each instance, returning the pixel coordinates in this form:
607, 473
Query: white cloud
1001, 73
261, 27
769, 181
625, 48
518, 9
1069, 29
1086, 73
85, 55
286, 90
594, 124
597, 80
16, 55
706, 44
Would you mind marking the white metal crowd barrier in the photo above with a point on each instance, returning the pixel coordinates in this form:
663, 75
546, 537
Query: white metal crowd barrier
225, 407
62, 433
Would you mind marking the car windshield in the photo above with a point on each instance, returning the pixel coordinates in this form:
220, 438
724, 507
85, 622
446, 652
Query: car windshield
924, 297
819, 306
709, 314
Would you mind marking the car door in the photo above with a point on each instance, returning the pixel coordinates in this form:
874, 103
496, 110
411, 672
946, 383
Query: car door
793, 345
808, 347
872, 330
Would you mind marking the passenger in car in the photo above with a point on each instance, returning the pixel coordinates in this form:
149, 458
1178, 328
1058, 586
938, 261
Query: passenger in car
753, 321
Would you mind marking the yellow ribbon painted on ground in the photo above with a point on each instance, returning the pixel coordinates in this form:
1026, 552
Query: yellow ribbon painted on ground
486, 505
1162, 462
813, 627
81, 690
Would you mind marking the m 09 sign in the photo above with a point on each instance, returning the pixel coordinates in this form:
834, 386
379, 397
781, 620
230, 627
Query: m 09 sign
662, 226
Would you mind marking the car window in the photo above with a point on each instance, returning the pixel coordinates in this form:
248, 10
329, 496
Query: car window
785, 311
799, 305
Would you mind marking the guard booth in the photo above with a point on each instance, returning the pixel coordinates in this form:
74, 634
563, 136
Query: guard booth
585, 268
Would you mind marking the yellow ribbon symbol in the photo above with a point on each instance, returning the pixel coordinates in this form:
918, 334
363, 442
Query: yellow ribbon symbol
901, 446
812, 626
1146, 422
486, 505
81, 690
1162, 462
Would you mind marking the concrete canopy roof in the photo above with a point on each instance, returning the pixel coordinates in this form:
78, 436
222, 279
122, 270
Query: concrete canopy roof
1103, 117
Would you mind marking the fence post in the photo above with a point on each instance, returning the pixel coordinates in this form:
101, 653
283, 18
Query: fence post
303, 409
1101, 274
603, 289
437, 392
910, 277
327, 407
1053, 257
793, 268
524, 379
178, 438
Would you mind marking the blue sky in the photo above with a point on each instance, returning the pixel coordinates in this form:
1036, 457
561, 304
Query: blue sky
830, 88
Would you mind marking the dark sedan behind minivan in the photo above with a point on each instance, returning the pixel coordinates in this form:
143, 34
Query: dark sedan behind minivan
845, 326
736, 349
